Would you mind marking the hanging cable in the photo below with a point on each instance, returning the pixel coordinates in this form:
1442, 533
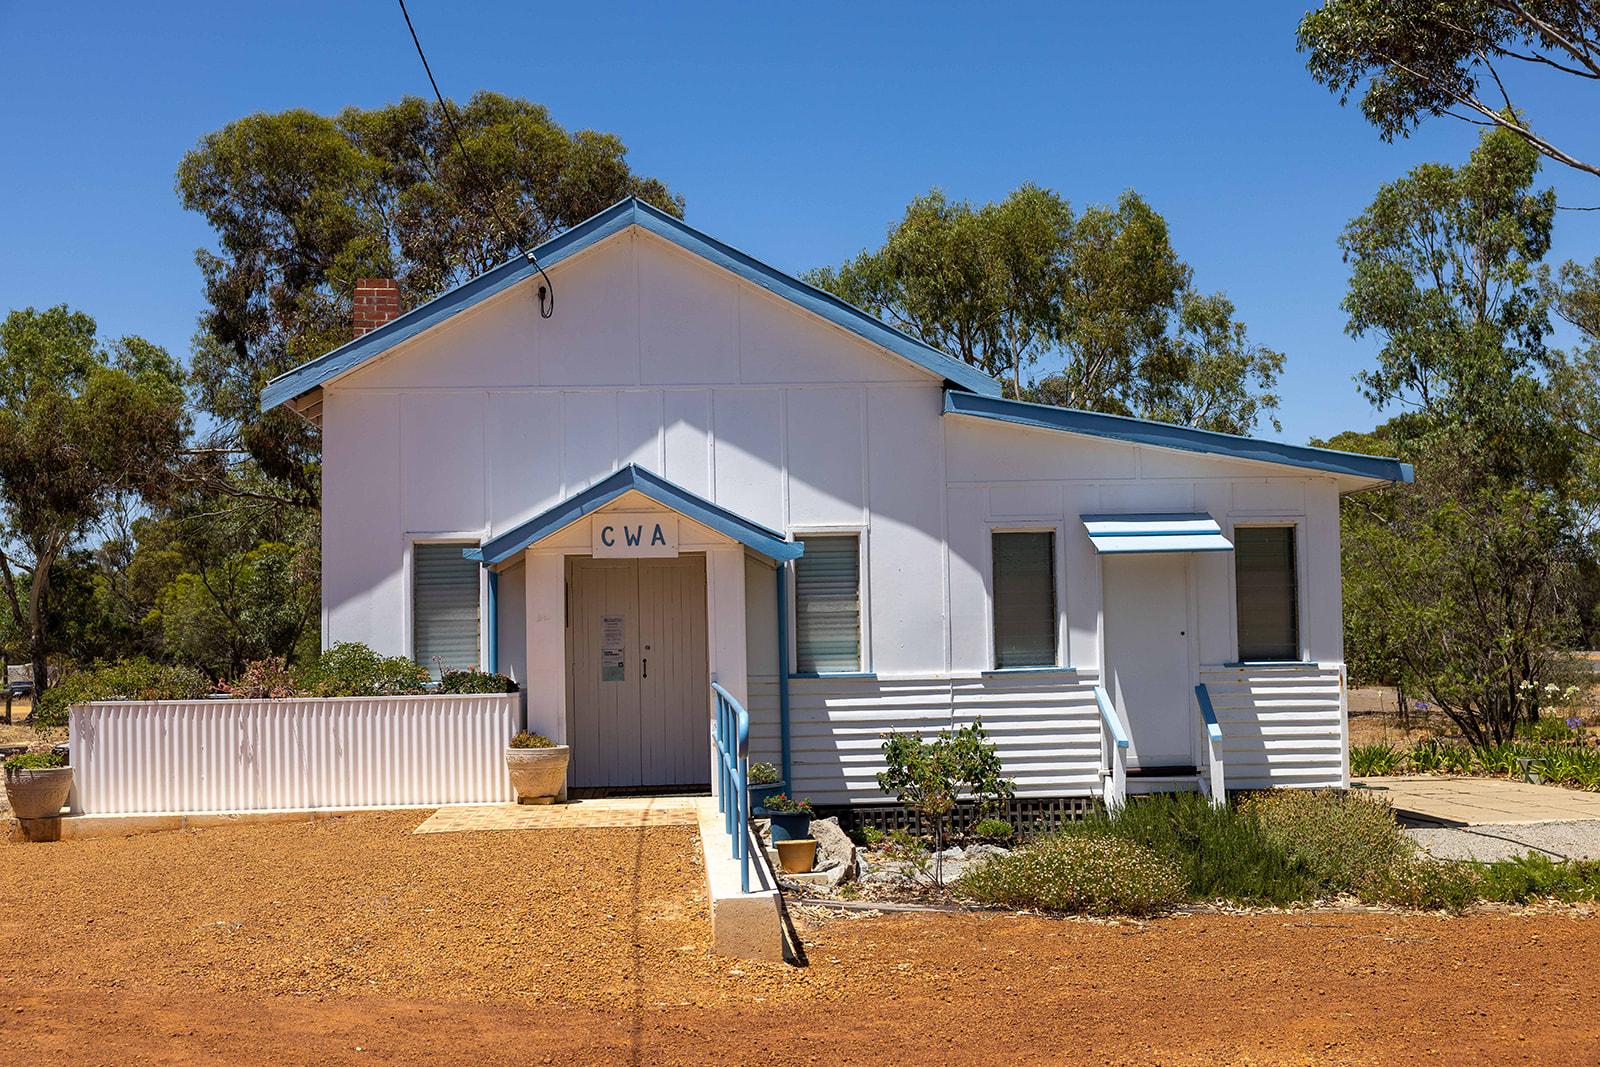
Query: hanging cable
547, 288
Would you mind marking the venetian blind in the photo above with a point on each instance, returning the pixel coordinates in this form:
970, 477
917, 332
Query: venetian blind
827, 605
444, 607
1024, 599
1263, 560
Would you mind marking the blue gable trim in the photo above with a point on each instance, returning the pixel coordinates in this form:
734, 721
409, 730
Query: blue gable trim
758, 538
613, 220
1166, 435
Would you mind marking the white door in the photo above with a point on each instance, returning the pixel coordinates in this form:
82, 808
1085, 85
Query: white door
636, 672
1148, 656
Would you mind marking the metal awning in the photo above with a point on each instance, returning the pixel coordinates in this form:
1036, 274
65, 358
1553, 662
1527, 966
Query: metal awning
1168, 532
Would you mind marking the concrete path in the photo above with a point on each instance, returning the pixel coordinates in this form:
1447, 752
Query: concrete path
607, 813
1489, 819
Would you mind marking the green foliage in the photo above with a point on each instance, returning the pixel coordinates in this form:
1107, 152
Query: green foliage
85, 429
524, 739
930, 776
132, 679
1220, 853
476, 682
869, 836
264, 679
351, 669
1345, 842
905, 852
786, 805
305, 204
1369, 760
993, 830
36, 761
1022, 282
1414, 58
1079, 873
763, 774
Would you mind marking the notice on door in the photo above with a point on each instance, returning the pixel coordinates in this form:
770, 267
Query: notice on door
613, 650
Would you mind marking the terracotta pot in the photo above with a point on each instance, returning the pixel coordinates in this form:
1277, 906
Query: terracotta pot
39, 794
538, 774
798, 856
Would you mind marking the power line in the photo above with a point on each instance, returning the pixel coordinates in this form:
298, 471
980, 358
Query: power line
547, 291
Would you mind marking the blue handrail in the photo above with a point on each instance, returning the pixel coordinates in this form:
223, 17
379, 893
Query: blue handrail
1109, 716
733, 783
1203, 697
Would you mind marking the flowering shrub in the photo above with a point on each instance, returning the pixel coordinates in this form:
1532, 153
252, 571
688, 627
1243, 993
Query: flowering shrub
351, 669
763, 774
1091, 875
785, 805
263, 679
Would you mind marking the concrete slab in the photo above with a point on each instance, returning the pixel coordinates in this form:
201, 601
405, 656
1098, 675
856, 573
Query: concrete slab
744, 925
605, 813
1442, 801
1487, 842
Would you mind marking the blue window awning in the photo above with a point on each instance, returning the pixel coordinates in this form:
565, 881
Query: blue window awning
1166, 532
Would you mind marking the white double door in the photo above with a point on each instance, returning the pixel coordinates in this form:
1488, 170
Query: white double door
637, 677
1149, 648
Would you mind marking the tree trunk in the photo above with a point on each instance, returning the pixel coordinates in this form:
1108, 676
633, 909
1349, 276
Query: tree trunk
38, 599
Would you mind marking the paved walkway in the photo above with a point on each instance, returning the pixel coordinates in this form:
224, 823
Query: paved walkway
1437, 800
607, 813
1488, 819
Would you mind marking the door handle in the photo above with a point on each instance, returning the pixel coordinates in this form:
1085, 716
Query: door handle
646, 672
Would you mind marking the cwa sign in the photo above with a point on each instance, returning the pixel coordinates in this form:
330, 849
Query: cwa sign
630, 534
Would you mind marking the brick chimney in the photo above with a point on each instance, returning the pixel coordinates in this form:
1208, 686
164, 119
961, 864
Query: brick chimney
377, 301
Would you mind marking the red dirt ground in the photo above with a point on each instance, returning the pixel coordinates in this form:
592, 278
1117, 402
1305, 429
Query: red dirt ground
353, 941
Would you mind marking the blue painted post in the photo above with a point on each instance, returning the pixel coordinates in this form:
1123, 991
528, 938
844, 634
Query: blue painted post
493, 611
782, 571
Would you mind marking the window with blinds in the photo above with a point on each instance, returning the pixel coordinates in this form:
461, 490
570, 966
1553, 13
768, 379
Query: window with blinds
444, 599
1269, 623
827, 605
1024, 599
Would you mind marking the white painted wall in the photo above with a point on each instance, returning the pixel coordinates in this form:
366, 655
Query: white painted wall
658, 358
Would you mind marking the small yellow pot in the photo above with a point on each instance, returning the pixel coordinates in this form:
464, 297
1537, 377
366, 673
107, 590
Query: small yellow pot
797, 856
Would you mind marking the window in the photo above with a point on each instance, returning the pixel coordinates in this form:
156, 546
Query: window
827, 605
1269, 625
444, 607
1024, 599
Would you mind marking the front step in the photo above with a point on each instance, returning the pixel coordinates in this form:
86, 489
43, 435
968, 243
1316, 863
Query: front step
1175, 783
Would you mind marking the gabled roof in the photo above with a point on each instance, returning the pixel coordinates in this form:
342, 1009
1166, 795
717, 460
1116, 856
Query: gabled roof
634, 478
611, 221
1186, 438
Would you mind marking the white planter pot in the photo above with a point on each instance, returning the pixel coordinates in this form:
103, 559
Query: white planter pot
538, 774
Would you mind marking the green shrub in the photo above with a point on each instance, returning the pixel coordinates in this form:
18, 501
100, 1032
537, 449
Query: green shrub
1346, 842
1086, 874
1369, 760
1220, 852
868, 836
36, 761
993, 830
763, 774
129, 679
475, 682
1547, 728
351, 669
524, 739
1426, 883
785, 805
263, 679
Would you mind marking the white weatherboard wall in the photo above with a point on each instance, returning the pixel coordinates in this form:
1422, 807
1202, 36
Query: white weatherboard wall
189, 756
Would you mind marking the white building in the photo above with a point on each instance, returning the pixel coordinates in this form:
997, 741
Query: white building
699, 468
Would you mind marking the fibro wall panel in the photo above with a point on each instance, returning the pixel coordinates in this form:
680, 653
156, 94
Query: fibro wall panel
827, 460
363, 546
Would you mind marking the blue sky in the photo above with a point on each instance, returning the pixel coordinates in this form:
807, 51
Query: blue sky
796, 132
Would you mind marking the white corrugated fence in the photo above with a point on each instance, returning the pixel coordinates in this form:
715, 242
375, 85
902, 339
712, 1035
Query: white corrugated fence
186, 756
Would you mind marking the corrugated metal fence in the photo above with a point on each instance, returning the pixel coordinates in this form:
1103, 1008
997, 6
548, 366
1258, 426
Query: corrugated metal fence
183, 756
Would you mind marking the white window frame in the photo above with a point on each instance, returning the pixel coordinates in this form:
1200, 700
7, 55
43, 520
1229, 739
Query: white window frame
408, 621
864, 592
1053, 526
1298, 524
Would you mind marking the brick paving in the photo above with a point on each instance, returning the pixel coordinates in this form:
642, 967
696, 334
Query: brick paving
605, 813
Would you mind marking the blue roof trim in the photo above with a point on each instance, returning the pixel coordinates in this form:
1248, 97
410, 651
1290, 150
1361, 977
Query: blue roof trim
613, 220
1185, 438
633, 478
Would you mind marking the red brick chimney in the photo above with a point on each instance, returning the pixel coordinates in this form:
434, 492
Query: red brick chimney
377, 301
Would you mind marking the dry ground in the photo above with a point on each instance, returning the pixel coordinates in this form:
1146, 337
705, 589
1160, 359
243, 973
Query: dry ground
355, 941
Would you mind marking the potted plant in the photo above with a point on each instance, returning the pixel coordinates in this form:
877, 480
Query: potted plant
791, 819
797, 856
37, 784
538, 768
764, 784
